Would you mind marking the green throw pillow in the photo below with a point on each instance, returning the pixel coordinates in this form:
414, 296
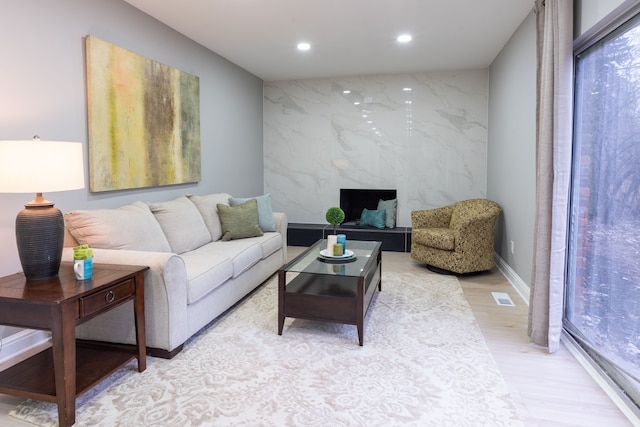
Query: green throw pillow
390, 206
265, 212
373, 218
239, 222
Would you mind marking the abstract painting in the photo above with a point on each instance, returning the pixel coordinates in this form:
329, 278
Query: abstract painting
144, 120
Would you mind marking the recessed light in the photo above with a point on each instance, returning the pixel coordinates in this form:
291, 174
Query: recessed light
346, 91
404, 38
304, 46
406, 89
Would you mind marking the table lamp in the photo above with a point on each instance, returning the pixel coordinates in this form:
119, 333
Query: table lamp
36, 167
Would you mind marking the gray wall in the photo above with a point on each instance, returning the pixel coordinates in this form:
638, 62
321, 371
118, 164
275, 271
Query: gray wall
588, 12
511, 153
43, 91
511, 160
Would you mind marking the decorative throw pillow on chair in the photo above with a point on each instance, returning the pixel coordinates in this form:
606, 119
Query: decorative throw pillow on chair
373, 218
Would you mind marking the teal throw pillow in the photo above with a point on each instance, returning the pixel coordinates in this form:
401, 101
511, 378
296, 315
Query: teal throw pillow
265, 212
390, 207
373, 218
239, 222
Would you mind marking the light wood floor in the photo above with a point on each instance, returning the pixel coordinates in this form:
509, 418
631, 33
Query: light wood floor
548, 389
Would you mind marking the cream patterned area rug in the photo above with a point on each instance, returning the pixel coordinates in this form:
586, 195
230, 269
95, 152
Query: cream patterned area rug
424, 363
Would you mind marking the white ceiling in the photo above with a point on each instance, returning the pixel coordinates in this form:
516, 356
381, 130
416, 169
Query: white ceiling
347, 37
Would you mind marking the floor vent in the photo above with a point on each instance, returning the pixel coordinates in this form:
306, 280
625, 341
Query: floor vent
502, 299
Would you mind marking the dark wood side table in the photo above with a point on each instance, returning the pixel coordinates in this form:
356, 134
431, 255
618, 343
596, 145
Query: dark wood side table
66, 370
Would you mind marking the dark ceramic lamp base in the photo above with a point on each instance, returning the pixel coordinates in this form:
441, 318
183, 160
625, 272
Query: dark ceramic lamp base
40, 236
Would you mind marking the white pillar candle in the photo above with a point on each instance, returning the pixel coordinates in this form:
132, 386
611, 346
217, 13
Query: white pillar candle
332, 239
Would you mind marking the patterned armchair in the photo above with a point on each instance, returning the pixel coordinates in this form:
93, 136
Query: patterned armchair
458, 238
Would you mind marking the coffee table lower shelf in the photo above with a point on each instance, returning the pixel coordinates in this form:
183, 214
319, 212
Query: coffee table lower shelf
327, 298
33, 378
321, 298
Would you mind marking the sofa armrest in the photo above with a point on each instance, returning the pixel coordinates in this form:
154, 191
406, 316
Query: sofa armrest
165, 295
432, 218
282, 224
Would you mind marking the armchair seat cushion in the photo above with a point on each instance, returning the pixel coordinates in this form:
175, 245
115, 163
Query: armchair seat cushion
439, 238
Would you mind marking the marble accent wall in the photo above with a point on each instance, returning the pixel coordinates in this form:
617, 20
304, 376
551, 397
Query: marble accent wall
423, 134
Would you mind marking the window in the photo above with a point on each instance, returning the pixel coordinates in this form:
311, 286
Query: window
602, 310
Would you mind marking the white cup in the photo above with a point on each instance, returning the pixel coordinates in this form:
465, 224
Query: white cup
332, 239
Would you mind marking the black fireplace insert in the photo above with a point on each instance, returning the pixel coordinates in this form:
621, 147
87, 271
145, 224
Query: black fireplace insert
353, 201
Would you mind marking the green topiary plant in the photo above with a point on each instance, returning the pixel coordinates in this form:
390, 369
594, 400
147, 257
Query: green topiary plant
334, 216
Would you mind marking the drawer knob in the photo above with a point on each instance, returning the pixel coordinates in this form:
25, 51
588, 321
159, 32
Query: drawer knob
109, 297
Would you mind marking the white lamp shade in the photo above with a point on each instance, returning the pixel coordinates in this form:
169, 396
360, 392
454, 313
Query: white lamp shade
40, 166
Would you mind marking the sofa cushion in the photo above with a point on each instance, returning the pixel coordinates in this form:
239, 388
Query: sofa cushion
207, 205
239, 222
128, 227
439, 238
265, 211
182, 223
243, 253
247, 254
206, 270
270, 243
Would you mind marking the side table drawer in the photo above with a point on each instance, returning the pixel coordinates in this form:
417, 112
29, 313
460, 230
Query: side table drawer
110, 296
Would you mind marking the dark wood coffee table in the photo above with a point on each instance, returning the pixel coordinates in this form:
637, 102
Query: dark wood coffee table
337, 291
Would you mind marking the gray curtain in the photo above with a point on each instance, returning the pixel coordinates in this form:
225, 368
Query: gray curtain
554, 20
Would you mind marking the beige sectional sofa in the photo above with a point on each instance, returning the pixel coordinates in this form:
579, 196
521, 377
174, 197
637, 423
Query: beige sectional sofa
195, 275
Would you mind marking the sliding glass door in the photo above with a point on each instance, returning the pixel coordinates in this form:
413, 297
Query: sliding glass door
602, 308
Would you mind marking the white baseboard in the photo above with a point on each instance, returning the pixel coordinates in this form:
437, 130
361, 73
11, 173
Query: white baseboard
16, 344
512, 277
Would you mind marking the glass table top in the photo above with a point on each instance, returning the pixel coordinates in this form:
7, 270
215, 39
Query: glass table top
310, 261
